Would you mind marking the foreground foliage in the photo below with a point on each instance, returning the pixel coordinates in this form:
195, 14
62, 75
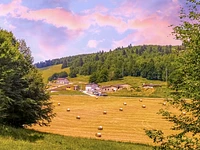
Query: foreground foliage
23, 100
24, 139
186, 83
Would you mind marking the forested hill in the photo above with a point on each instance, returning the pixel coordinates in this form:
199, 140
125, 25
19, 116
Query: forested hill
153, 62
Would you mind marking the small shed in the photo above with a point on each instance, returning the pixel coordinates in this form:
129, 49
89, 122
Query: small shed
73, 87
150, 86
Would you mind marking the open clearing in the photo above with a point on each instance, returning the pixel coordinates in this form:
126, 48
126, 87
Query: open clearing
127, 125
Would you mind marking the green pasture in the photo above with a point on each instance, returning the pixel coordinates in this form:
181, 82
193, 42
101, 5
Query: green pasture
25, 139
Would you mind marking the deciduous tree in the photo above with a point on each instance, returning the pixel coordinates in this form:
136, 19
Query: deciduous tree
186, 82
23, 99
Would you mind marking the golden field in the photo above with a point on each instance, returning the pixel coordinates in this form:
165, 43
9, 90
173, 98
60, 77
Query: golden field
127, 125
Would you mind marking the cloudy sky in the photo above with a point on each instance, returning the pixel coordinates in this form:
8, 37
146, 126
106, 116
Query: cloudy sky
58, 28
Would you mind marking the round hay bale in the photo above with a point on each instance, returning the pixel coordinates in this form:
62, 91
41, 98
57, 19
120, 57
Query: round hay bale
184, 113
98, 134
140, 100
120, 109
164, 103
58, 104
125, 103
78, 117
104, 112
100, 128
96, 97
68, 109
143, 106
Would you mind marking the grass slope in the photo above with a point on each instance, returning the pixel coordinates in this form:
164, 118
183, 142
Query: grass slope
127, 125
49, 71
135, 82
24, 139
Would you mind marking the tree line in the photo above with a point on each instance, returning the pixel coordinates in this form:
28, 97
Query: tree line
55, 76
153, 62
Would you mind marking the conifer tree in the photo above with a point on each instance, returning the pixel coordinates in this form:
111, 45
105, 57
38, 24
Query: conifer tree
23, 99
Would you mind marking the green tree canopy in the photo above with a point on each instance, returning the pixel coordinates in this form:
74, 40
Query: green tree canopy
23, 100
186, 82
55, 76
64, 64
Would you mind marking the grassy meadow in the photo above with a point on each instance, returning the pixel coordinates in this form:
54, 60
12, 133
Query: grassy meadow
134, 82
121, 129
49, 71
124, 126
24, 139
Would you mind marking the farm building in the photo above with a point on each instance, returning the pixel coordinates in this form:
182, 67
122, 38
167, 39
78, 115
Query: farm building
109, 88
91, 87
124, 86
114, 88
73, 87
150, 86
62, 81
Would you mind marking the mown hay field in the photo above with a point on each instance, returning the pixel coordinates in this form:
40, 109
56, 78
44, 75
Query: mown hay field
127, 125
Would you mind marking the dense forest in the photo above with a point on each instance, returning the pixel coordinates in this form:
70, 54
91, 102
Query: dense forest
153, 62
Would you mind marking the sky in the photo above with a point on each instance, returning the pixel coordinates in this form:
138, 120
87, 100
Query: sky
59, 28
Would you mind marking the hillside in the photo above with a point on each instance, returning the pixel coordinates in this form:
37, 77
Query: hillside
152, 62
134, 82
48, 71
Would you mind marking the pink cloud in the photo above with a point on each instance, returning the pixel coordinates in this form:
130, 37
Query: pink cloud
14, 8
50, 51
9, 8
58, 17
159, 34
73, 34
109, 20
97, 9
129, 16
139, 9
93, 43
126, 9
8, 25
150, 28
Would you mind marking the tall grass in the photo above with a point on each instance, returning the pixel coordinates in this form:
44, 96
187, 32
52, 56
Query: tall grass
25, 139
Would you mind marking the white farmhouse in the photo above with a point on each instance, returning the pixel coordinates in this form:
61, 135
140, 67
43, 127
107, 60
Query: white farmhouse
91, 87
